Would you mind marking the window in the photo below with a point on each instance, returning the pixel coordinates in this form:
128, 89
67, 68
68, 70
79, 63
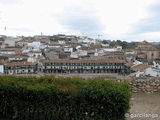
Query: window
152, 54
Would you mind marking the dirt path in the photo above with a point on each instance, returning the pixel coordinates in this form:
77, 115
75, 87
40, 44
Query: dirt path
145, 106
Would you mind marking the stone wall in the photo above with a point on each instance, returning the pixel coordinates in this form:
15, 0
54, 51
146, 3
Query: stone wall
146, 85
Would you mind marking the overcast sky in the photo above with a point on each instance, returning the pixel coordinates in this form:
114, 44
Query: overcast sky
129, 20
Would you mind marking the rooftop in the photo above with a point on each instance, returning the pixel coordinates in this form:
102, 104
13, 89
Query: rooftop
139, 67
20, 64
15, 57
152, 48
110, 60
129, 64
144, 43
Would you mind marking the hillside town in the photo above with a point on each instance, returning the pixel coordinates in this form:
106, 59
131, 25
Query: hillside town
70, 54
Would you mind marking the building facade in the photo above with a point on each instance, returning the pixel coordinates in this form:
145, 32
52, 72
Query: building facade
1, 68
36, 54
84, 66
7, 52
20, 68
152, 53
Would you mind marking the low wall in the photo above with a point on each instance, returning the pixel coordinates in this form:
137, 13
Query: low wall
146, 85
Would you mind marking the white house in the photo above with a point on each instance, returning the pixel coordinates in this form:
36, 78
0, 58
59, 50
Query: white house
3, 45
78, 47
74, 55
105, 45
54, 46
130, 56
18, 38
35, 54
80, 40
68, 49
7, 52
109, 49
61, 42
83, 53
35, 45
152, 72
32, 59
44, 46
15, 58
85, 45
10, 41
143, 70
1, 68
21, 43
156, 64
117, 48
99, 52
79, 53
129, 53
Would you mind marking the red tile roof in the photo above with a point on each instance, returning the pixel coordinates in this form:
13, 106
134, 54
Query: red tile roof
139, 67
3, 62
110, 60
35, 52
18, 52
129, 64
16, 57
1, 73
20, 64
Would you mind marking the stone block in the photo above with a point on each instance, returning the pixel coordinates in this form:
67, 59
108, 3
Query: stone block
148, 86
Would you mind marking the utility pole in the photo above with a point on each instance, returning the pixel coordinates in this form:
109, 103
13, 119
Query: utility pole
5, 31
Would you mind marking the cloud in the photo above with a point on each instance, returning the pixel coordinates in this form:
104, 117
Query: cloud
21, 29
10, 2
80, 18
152, 22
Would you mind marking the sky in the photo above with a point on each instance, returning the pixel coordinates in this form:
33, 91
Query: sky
126, 20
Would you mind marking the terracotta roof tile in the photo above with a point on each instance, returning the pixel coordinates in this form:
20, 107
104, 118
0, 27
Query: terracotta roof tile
3, 62
20, 64
16, 57
18, 52
35, 52
129, 64
110, 60
139, 67
1, 73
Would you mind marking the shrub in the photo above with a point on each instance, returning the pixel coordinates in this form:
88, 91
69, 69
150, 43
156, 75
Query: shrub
57, 98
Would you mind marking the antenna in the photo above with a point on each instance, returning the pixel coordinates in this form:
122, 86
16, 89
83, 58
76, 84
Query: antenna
99, 36
5, 30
